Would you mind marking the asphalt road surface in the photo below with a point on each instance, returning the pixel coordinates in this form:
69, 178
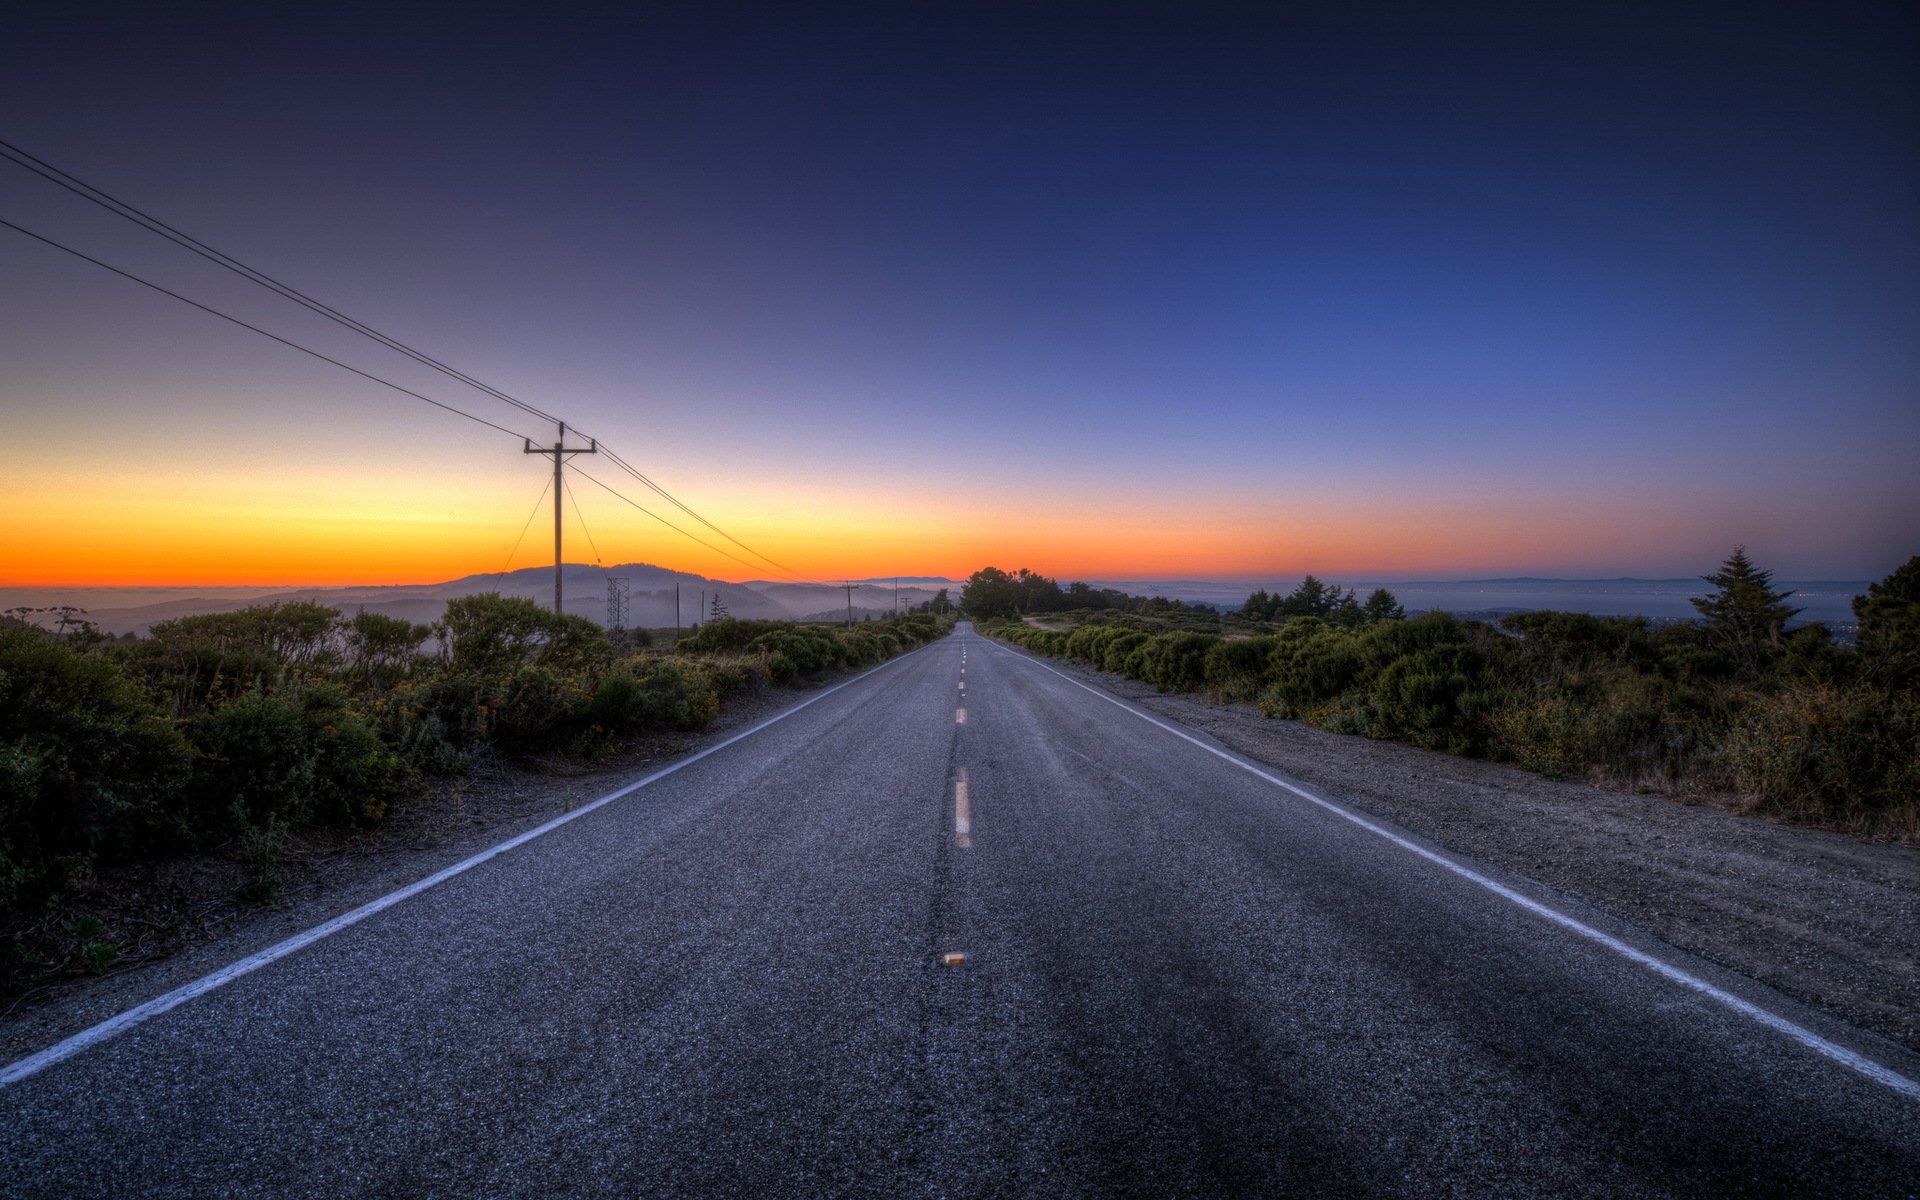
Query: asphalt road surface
885, 947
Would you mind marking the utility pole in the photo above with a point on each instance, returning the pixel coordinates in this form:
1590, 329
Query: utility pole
849, 587
561, 453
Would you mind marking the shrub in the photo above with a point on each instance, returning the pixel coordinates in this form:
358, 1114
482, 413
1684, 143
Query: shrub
781, 668
290, 756
1177, 662
358, 778
1577, 639
1608, 722
1826, 752
1432, 698
493, 636
539, 707
808, 648
1310, 664
254, 766
680, 694
1120, 649
728, 635
381, 650
619, 703
86, 762
1235, 669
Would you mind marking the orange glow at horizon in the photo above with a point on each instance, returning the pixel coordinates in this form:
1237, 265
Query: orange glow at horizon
110, 539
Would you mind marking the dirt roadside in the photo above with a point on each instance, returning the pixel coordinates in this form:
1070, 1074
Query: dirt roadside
1823, 917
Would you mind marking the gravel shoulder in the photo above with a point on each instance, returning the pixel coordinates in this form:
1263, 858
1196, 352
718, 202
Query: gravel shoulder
1823, 917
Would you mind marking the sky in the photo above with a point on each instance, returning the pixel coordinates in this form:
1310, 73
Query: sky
1111, 291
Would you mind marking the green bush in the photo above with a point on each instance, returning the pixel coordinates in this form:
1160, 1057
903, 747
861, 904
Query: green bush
781, 668
292, 756
667, 692
1120, 650
492, 637
1433, 698
1310, 664
1809, 729
539, 707
1176, 662
808, 648
1608, 722
680, 694
86, 764
728, 635
1576, 639
1822, 752
1236, 668
253, 767
358, 777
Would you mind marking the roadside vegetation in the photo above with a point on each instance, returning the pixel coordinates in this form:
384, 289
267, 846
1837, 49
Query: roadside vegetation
229, 733
1788, 723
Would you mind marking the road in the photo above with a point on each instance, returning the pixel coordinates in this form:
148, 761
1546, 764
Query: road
964, 927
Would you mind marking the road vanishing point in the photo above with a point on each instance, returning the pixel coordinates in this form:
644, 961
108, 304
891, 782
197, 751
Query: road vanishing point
966, 926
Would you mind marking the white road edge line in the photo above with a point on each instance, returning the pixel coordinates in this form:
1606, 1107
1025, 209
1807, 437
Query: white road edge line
1806, 1037
33, 1064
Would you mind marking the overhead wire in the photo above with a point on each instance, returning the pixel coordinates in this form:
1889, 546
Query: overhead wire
155, 225
675, 501
544, 489
256, 329
619, 495
582, 518
104, 199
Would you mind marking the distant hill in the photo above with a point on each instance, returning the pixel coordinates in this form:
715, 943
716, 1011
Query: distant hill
651, 597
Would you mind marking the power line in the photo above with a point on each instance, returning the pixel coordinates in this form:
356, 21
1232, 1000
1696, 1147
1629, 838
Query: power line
656, 516
128, 275
121, 208
152, 224
256, 329
582, 518
675, 501
544, 486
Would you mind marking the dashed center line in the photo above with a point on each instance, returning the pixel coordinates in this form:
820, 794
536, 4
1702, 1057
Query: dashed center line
959, 716
962, 811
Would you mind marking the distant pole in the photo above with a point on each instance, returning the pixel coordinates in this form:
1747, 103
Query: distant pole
560, 454
849, 586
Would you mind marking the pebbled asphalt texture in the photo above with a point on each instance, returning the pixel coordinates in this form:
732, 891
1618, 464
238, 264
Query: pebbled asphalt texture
1176, 979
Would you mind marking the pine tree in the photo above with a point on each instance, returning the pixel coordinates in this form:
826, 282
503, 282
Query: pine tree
1745, 611
1889, 616
1381, 606
1310, 599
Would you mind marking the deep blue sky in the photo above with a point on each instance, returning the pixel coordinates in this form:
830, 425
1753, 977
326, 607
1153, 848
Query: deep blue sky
1177, 289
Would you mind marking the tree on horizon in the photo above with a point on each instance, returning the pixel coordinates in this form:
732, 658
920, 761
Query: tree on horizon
1745, 611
